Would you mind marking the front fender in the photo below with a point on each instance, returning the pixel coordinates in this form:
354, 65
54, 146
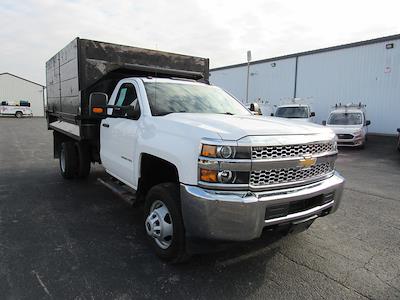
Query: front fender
179, 145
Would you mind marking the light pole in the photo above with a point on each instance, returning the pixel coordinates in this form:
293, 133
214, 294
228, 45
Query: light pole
248, 75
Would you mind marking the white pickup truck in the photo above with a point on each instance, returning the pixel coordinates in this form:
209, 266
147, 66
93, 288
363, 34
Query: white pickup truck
205, 167
295, 110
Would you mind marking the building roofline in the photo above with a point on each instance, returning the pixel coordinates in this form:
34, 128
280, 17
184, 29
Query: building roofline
7, 73
304, 53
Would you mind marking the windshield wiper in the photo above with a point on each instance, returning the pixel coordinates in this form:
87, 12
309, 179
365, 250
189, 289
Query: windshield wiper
163, 113
169, 112
227, 113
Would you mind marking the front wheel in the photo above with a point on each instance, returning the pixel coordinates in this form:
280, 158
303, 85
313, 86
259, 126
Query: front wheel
164, 224
18, 114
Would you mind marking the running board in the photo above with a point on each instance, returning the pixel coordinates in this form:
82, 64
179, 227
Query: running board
120, 189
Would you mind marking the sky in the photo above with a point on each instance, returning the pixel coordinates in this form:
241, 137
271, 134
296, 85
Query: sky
33, 31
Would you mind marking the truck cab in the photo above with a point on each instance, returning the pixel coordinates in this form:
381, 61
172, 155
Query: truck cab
204, 167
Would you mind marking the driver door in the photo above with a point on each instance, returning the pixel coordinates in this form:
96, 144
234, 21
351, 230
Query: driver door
118, 136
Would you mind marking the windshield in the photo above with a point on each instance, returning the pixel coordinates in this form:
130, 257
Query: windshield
345, 119
292, 112
165, 98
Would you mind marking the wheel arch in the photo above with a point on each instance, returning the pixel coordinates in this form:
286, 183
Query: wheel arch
154, 170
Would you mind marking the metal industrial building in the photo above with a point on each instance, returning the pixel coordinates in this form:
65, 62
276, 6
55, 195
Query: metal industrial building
367, 71
14, 89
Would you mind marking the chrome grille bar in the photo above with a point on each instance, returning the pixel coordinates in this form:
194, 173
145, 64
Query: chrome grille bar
286, 151
288, 175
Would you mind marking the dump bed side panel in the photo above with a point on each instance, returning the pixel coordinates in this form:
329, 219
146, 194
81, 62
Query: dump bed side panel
98, 59
62, 81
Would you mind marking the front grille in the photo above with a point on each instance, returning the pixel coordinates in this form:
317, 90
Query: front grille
274, 152
288, 175
345, 136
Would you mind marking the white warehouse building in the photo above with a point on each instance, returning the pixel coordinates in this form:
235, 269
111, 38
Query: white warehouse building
14, 89
367, 72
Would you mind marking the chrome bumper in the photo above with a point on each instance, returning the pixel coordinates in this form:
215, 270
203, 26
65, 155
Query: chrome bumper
241, 216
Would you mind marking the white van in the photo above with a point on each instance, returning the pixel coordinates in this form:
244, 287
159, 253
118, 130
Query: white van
350, 124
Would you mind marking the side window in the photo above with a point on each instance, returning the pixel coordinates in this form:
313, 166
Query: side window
126, 96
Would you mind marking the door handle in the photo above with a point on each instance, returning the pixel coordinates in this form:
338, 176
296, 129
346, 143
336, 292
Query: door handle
105, 125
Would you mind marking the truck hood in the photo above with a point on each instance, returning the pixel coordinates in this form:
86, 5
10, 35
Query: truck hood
236, 127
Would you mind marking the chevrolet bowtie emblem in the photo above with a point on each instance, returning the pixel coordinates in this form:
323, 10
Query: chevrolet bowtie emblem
307, 162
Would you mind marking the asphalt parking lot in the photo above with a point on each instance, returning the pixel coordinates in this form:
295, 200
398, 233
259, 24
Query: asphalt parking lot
73, 240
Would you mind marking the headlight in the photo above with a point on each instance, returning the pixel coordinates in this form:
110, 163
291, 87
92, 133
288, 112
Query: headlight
223, 176
357, 133
225, 152
226, 176
219, 164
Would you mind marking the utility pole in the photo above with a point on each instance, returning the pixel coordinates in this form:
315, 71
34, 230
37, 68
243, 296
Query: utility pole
248, 75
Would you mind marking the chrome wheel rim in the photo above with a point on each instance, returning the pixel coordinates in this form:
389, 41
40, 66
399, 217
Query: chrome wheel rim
62, 160
159, 224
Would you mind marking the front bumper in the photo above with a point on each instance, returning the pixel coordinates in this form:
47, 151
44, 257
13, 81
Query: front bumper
355, 142
241, 216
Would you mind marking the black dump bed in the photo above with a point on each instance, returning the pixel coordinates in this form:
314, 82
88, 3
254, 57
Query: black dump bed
86, 66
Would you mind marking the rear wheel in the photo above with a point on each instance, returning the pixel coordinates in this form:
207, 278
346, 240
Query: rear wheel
164, 224
18, 114
68, 160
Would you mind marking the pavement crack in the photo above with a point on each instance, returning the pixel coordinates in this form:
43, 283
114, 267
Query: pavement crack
325, 275
41, 283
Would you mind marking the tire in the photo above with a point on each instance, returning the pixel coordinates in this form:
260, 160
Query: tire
68, 160
161, 196
18, 114
84, 161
